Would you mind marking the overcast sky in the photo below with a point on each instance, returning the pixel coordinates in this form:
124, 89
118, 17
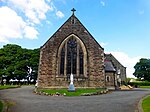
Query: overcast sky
122, 27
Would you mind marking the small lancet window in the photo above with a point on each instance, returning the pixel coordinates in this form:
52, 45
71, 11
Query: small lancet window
81, 61
62, 61
72, 55
73, 20
108, 78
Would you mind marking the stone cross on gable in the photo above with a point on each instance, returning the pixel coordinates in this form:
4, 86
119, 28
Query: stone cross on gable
73, 10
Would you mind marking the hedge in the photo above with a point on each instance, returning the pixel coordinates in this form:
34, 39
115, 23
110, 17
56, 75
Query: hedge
136, 84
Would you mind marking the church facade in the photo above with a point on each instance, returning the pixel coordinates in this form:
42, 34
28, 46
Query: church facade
71, 50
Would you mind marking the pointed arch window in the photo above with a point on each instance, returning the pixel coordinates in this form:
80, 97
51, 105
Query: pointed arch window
72, 58
81, 63
62, 61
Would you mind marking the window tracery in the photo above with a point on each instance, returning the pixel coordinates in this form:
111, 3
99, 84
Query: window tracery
74, 58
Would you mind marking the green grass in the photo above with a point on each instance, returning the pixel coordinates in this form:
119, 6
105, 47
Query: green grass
8, 86
146, 104
1, 106
78, 92
144, 86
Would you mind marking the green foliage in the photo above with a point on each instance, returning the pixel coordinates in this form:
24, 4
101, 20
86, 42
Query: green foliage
144, 83
78, 92
8, 86
144, 86
142, 69
17, 62
1, 106
128, 79
146, 104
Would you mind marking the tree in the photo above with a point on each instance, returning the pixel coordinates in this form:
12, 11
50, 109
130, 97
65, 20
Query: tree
18, 63
142, 69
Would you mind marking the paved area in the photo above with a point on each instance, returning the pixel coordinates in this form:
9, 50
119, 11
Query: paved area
118, 101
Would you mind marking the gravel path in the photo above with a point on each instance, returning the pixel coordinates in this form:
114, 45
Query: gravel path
118, 101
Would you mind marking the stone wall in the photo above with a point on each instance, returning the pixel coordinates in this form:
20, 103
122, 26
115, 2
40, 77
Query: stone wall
48, 76
110, 79
120, 69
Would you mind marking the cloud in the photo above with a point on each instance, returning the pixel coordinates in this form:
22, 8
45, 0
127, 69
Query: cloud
48, 0
3, 40
102, 3
141, 12
34, 10
59, 14
103, 44
13, 26
10, 28
127, 61
19, 18
30, 32
48, 22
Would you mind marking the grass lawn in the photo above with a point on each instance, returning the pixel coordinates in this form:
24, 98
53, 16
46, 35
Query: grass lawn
8, 86
1, 106
144, 86
146, 104
78, 92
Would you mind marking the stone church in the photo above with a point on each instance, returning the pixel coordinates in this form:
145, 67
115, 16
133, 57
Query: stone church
115, 72
73, 50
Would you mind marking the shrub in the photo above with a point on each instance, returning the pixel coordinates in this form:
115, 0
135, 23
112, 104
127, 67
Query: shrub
137, 84
1, 106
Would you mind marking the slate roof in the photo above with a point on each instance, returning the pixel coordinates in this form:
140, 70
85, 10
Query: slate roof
111, 57
109, 66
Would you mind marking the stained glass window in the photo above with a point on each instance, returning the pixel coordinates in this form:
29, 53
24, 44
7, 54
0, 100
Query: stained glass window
71, 54
81, 61
62, 61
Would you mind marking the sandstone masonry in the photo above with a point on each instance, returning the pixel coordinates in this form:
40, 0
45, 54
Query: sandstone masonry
49, 66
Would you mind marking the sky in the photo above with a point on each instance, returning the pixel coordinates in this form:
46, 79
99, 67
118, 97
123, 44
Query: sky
121, 27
